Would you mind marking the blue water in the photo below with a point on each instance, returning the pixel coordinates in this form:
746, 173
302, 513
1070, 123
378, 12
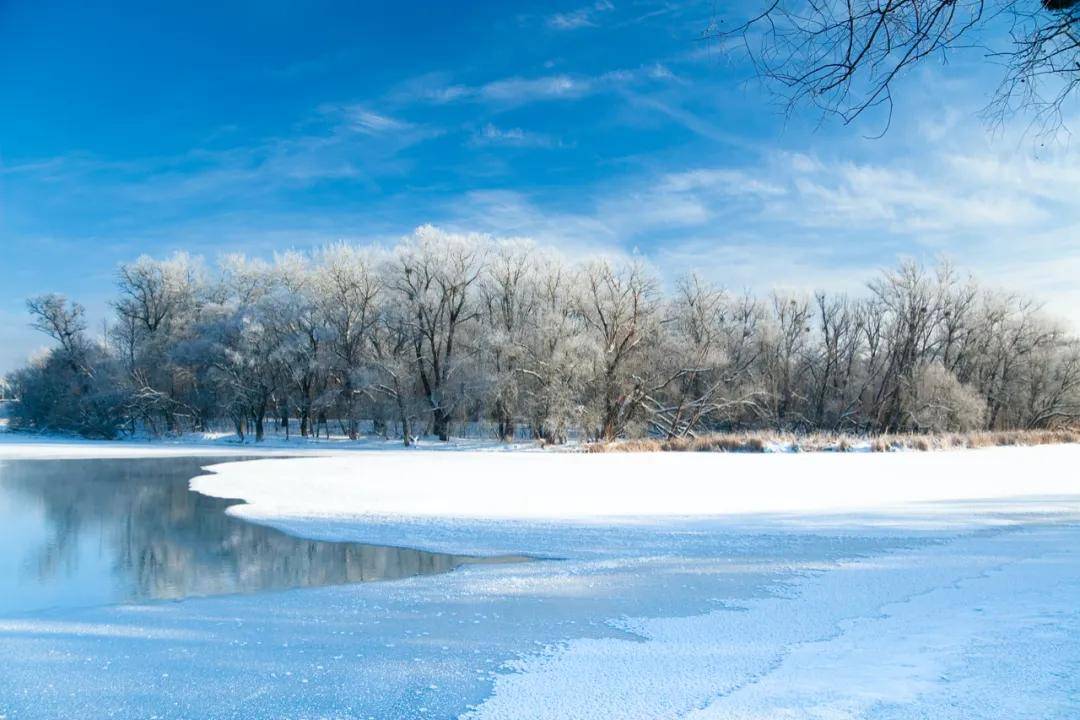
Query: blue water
78, 533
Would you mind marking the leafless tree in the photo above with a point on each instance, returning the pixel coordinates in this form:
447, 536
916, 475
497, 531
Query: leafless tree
348, 286
620, 308
508, 293
64, 322
556, 354
504, 338
435, 277
845, 56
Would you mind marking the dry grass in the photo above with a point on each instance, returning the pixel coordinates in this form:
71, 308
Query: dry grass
762, 441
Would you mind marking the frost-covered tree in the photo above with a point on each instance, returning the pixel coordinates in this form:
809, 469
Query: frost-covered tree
347, 287
708, 354
159, 306
621, 310
941, 402
509, 298
294, 316
434, 276
555, 357
459, 333
73, 387
391, 370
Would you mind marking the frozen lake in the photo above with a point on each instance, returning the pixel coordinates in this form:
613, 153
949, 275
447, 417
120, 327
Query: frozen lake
945, 609
77, 533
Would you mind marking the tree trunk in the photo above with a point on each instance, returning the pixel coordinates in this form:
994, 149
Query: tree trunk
440, 423
609, 428
505, 421
349, 396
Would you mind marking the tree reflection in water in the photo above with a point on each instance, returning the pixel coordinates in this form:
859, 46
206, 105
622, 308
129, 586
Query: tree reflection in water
159, 540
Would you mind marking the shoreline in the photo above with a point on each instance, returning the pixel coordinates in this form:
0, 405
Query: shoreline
28, 446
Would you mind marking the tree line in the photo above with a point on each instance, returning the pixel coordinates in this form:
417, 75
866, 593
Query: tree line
446, 331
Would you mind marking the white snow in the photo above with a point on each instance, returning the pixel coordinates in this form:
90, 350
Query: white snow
943, 631
863, 637
561, 486
891, 586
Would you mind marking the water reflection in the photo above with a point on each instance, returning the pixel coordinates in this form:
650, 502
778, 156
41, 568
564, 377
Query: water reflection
82, 532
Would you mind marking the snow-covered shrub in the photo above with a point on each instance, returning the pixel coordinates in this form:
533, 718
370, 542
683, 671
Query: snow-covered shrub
56, 395
942, 403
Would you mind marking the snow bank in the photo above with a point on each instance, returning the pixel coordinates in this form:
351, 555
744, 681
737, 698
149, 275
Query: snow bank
541, 486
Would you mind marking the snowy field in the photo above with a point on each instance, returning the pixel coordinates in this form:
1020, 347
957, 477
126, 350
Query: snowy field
623, 486
825, 586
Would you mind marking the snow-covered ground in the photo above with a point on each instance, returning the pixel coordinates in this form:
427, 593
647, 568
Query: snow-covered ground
605, 486
878, 586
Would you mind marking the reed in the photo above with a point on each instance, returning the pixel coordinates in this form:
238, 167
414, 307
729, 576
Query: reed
774, 441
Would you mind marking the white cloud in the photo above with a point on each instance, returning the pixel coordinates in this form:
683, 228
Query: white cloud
659, 71
949, 196
579, 18
513, 137
359, 118
802, 221
731, 181
366, 121
812, 222
518, 90
513, 213
512, 90
527, 89
925, 199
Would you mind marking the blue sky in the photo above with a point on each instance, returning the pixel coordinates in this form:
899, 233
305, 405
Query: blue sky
597, 127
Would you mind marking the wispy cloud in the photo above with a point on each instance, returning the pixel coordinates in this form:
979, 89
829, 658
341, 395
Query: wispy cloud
511, 212
954, 195
366, 121
490, 134
1010, 218
802, 222
335, 142
581, 17
927, 199
519, 90
512, 90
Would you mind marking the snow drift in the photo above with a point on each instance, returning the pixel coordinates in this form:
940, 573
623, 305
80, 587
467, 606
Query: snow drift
563, 486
